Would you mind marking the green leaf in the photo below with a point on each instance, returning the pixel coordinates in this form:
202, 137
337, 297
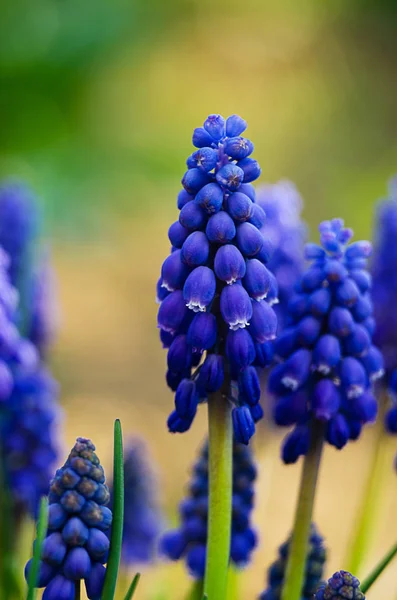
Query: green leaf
378, 570
131, 590
112, 568
41, 532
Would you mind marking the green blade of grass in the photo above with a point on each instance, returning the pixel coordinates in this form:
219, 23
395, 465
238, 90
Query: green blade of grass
41, 533
131, 590
116, 538
378, 570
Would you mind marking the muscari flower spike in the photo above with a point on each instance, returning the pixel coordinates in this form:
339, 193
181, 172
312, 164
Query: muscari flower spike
215, 291
190, 539
384, 295
327, 362
76, 546
314, 569
341, 586
142, 515
287, 233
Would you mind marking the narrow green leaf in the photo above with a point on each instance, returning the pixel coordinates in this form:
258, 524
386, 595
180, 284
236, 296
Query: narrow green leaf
116, 538
41, 533
131, 590
378, 570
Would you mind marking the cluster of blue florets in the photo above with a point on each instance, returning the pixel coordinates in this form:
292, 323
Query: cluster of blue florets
287, 233
142, 515
215, 291
315, 562
190, 539
76, 546
327, 359
384, 293
341, 586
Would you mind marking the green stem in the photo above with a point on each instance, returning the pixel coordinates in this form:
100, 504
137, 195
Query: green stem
77, 591
220, 496
292, 588
369, 510
196, 591
378, 570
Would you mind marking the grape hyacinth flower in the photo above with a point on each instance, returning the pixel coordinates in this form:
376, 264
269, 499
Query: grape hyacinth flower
215, 315
341, 586
76, 546
142, 516
315, 562
327, 361
190, 539
286, 233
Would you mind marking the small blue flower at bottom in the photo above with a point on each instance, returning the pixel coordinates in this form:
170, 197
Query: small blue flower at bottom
315, 562
76, 546
341, 586
190, 539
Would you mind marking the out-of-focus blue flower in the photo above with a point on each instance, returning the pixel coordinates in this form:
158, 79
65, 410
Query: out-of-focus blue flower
341, 586
286, 232
190, 539
142, 515
29, 444
314, 569
76, 546
215, 292
327, 362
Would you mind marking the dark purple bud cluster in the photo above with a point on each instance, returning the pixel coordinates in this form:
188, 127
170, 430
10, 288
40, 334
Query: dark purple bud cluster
341, 586
286, 232
76, 546
314, 569
327, 362
190, 539
216, 294
142, 515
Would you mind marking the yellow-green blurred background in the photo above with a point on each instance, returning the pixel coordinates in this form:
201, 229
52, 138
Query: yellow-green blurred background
98, 99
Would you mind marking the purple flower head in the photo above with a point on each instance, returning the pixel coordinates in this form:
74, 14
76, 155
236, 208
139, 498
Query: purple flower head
341, 586
189, 540
142, 515
286, 231
315, 562
76, 546
327, 362
216, 269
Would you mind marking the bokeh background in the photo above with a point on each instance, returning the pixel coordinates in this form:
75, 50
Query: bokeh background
98, 100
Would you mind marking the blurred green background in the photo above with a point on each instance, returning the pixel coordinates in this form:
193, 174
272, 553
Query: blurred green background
98, 100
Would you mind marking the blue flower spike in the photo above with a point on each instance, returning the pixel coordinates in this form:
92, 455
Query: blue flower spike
215, 292
341, 586
327, 363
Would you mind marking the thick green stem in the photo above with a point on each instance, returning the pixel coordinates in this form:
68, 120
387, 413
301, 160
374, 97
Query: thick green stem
220, 496
370, 507
378, 570
293, 585
196, 591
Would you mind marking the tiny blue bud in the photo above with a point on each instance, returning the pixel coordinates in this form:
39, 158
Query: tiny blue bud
173, 544
362, 309
210, 198
194, 179
95, 580
264, 354
215, 126
296, 444
230, 176
362, 279
75, 533
229, 264
361, 249
296, 369
54, 549
266, 251
56, 516
358, 342
202, 331
236, 306
353, 377
290, 409
249, 239
249, 190
186, 399
220, 228
179, 357
201, 138
205, 158
239, 206
192, 216
313, 278
195, 249
251, 169
238, 147
177, 234
59, 588
72, 502
183, 198
347, 293
178, 425
240, 349
373, 363
172, 312
325, 400
308, 331
263, 325
258, 215
338, 431
341, 322
199, 289
195, 560
46, 573
256, 412
326, 353
77, 564
334, 271
243, 424
235, 125
174, 271
249, 386
319, 302
364, 408
211, 374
